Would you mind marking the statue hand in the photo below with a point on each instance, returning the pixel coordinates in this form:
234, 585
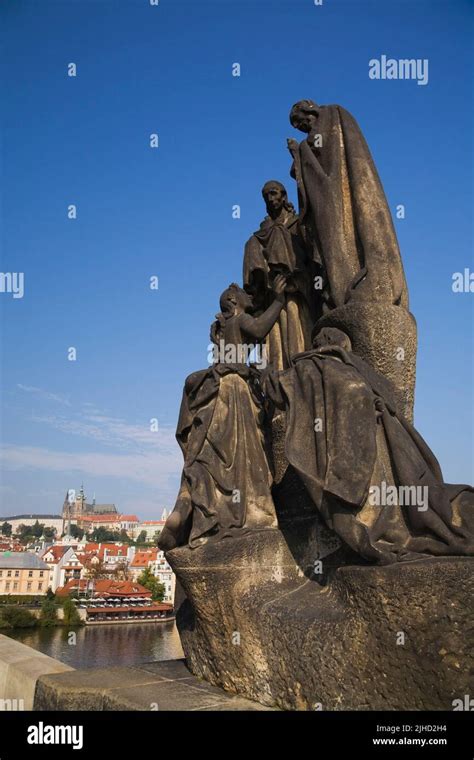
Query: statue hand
279, 285
293, 145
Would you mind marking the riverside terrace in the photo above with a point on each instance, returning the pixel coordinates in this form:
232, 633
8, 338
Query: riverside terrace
106, 601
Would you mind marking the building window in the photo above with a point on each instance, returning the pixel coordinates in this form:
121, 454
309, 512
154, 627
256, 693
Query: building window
28, 586
17, 573
40, 586
15, 586
1, 573
9, 574
41, 573
7, 586
30, 573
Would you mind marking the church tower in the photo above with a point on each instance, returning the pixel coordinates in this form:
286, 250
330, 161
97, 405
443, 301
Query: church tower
74, 504
67, 506
81, 502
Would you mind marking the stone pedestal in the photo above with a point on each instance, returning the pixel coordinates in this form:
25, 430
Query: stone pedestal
257, 623
165, 686
385, 336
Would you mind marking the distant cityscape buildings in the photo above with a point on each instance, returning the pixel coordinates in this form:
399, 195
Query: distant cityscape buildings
76, 510
66, 558
23, 573
75, 505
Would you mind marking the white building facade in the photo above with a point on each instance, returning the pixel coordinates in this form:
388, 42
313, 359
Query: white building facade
162, 570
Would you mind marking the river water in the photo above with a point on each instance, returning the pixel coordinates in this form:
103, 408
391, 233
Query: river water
103, 645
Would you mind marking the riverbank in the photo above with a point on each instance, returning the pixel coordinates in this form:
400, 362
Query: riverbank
21, 617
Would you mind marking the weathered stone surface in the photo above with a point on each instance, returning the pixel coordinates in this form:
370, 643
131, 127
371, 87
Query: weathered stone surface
279, 247
344, 209
270, 489
255, 624
220, 431
378, 332
160, 686
20, 667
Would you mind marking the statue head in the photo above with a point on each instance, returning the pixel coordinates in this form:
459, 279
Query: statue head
233, 300
331, 336
303, 115
276, 198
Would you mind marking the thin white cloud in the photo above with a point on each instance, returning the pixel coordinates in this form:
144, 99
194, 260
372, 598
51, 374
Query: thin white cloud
46, 395
156, 469
136, 453
113, 432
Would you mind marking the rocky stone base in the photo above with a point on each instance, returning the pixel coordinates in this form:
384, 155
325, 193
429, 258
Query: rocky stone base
350, 638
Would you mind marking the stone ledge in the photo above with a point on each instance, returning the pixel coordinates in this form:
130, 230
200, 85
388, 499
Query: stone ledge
20, 668
161, 686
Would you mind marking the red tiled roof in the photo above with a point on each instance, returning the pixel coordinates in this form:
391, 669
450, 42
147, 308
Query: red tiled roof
105, 586
114, 551
86, 556
141, 559
99, 548
57, 552
107, 518
98, 518
15, 549
75, 584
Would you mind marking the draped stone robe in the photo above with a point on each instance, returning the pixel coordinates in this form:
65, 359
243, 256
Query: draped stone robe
226, 481
278, 247
344, 208
361, 442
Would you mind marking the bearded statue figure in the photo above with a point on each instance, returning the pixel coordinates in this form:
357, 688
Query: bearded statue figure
278, 247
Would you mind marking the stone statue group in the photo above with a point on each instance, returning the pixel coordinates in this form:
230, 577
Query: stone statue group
329, 404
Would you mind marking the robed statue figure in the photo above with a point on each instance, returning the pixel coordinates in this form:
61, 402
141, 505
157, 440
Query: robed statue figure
344, 208
226, 480
279, 247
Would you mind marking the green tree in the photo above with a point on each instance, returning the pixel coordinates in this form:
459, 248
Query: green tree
6, 529
77, 532
103, 535
141, 538
152, 583
71, 615
49, 613
37, 529
16, 617
23, 531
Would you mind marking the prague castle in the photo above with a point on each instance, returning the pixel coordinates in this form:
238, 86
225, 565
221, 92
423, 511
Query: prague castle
75, 506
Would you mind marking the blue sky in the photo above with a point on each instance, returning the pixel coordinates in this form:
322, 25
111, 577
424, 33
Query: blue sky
167, 212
